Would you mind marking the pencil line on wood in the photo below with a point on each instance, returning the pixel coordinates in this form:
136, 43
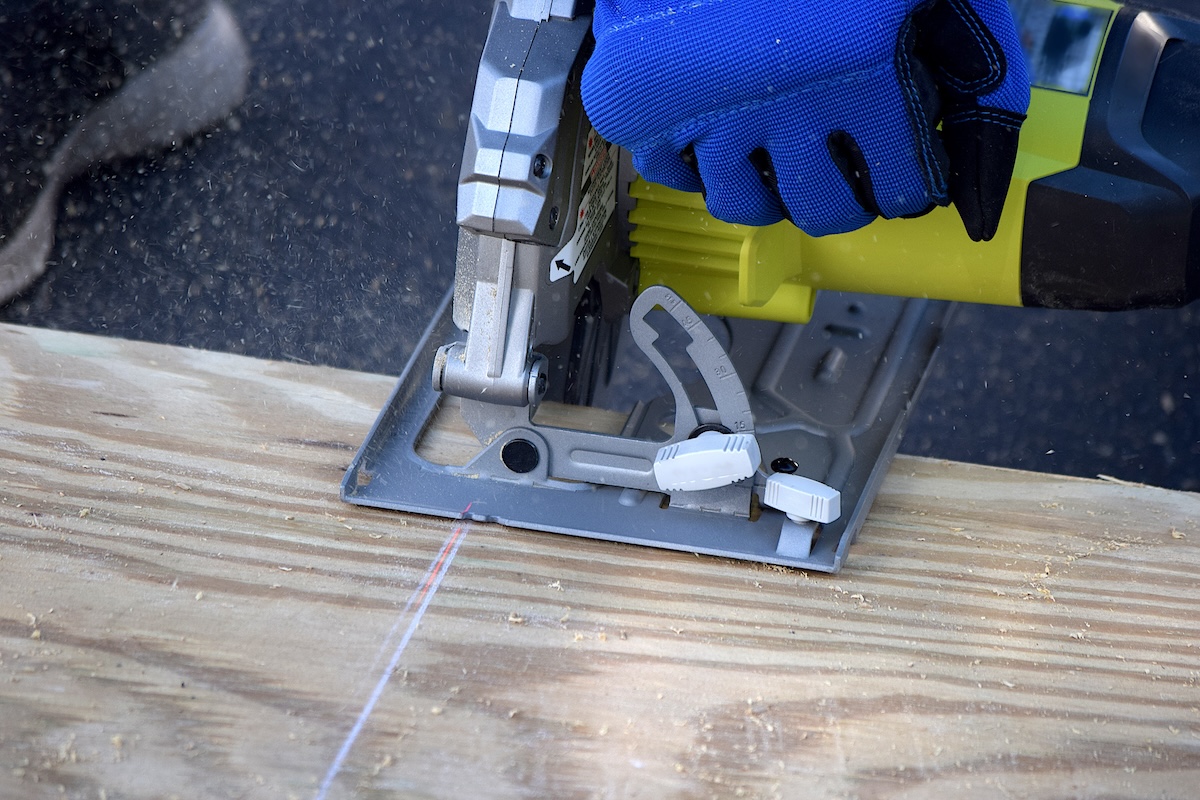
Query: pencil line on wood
429, 586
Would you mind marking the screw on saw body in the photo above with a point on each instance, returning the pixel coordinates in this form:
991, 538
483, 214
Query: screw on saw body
541, 166
538, 383
553, 221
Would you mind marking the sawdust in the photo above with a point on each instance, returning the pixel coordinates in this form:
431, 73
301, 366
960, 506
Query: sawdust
1039, 586
1120, 482
381, 765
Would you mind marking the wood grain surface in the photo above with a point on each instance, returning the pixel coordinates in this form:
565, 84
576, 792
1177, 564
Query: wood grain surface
187, 610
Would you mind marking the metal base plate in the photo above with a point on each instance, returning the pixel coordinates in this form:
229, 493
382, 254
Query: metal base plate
831, 396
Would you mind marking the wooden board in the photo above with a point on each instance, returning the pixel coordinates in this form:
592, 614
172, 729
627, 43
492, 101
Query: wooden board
187, 610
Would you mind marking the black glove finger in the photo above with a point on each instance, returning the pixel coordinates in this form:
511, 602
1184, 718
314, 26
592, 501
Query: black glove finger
967, 62
923, 94
982, 146
965, 58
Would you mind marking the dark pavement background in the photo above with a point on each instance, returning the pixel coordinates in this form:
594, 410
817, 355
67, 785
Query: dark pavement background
316, 225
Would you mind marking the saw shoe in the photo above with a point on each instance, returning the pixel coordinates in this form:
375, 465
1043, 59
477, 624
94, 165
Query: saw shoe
85, 82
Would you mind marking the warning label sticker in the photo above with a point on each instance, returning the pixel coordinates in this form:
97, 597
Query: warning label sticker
596, 207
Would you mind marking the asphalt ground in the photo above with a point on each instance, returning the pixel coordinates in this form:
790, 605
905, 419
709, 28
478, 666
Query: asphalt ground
316, 225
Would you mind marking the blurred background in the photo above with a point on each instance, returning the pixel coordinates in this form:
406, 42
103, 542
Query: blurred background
316, 225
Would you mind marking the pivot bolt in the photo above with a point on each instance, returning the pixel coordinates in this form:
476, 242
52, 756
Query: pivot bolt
785, 465
521, 456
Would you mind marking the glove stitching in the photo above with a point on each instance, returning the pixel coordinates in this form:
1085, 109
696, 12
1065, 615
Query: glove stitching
979, 33
997, 116
630, 22
928, 160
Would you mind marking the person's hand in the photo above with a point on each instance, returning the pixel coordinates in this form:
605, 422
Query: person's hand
824, 112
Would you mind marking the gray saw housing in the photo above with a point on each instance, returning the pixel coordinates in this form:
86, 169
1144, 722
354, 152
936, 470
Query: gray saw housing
530, 319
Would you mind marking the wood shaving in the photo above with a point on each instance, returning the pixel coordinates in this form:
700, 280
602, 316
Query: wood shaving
1119, 482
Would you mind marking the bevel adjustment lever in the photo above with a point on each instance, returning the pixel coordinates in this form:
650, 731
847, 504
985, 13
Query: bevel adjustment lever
710, 460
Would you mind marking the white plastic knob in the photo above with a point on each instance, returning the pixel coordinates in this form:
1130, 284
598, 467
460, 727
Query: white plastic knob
803, 499
710, 460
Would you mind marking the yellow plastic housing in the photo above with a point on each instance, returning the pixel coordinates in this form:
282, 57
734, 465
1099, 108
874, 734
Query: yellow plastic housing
774, 272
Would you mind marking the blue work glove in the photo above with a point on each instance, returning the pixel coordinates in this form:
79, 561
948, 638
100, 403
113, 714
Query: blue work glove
824, 112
